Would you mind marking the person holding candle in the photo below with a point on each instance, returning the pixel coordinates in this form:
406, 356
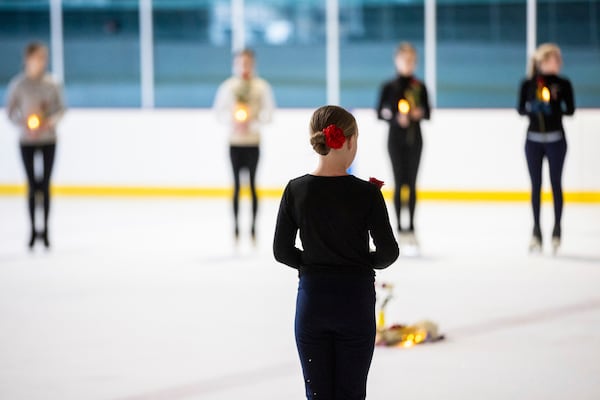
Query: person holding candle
545, 97
35, 105
244, 102
403, 103
334, 214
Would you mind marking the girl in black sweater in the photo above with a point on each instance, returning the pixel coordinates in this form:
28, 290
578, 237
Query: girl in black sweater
334, 213
545, 97
403, 103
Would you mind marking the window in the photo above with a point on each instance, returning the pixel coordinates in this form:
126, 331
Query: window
575, 27
192, 52
20, 23
370, 34
481, 52
102, 53
289, 39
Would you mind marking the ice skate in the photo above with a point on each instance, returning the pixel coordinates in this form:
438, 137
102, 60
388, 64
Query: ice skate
556, 233
44, 237
253, 236
535, 245
236, 236
409, 244
31, 243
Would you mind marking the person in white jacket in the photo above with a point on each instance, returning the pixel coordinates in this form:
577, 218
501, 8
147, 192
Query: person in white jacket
244, 102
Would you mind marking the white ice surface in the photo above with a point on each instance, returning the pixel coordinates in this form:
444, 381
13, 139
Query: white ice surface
147, 299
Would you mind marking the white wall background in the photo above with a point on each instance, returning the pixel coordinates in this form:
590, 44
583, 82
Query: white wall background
464, 150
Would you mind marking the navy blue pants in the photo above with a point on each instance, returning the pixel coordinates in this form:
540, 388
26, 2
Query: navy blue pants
335, 335
555, 152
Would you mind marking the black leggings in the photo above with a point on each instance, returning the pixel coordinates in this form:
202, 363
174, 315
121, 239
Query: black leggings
41, 184
335, 335
405, 153
556, 153
244, 157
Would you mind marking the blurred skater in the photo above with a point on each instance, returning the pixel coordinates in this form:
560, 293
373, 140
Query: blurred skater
403, 103
545, 97
334, 213
35, 106
244, 102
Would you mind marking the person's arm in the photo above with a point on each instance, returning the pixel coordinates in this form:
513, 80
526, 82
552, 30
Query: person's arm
267, 105
383, 108
425, 103
522, 104
58, 107
284, 243
386, 247
12, 105
568, 98
223, 103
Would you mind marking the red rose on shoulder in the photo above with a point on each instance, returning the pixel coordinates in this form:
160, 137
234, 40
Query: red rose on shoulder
376, 182
334, 136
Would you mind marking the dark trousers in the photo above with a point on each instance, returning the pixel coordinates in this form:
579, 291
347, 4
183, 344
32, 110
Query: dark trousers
38, 185
335, 335
405, 149
243, 157
555, 152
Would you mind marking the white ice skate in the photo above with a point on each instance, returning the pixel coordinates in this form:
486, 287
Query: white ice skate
555, 245
535, 245
409, 245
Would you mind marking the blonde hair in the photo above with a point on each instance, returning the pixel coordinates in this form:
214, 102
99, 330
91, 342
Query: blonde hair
325, 116
405, 48
542, 53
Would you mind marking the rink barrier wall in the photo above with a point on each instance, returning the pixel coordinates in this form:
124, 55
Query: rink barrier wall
468, 155
275, 193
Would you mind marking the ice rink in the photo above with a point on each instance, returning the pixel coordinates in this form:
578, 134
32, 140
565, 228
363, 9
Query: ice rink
149, 299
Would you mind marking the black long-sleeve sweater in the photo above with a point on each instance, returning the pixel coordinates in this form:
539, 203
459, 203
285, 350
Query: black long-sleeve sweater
334, 216
545, 115
402, 87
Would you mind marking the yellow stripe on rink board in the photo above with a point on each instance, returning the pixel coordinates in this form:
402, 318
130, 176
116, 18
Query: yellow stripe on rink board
220, 192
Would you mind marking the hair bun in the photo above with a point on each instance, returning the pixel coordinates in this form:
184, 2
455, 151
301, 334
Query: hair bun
318, 142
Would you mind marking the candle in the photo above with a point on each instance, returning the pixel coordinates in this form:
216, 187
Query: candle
241, 113
33, 122
545, 94
403, 106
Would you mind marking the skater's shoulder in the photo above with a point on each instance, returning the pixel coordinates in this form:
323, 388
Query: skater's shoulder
260, 82
17, 81
299, 181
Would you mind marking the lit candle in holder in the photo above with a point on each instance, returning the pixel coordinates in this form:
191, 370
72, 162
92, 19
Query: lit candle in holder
403, 106
545, 94
241, 113
33, 122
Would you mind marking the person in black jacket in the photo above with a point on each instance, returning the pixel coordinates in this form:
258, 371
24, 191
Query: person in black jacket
545, 97
334, 213
403, 103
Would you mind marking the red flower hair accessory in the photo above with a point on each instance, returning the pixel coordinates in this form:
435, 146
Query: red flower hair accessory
376, 182
334, 136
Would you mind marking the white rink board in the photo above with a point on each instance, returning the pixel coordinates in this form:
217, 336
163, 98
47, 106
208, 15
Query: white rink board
464, 149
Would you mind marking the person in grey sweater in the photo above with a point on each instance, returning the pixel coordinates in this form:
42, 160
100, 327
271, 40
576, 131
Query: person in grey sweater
35, 105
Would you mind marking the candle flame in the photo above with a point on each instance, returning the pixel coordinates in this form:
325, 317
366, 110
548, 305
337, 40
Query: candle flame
403, 106
545, 94
240, 114
33, 122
